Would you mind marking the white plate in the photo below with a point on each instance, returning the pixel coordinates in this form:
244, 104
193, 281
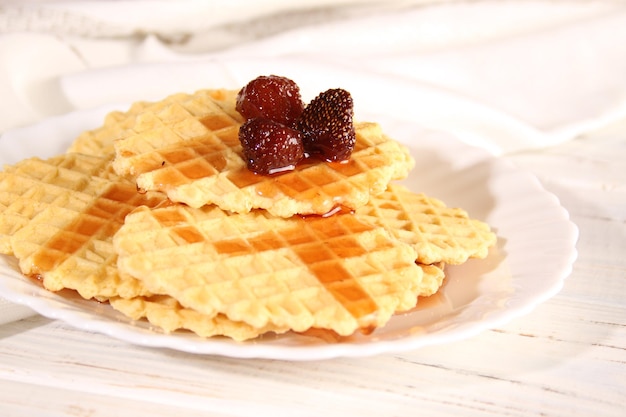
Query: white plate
534, 254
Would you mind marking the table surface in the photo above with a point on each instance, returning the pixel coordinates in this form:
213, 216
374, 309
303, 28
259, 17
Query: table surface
567, 357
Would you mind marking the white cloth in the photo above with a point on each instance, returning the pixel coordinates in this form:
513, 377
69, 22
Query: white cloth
172, 19
560, 67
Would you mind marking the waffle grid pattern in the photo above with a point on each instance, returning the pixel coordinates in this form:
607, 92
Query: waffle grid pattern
147, 138
175, 152
120, 124
172, 125
31, 186
67, 220
438, 233
290, 273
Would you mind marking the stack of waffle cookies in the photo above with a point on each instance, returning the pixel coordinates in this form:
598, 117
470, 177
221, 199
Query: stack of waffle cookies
155, 213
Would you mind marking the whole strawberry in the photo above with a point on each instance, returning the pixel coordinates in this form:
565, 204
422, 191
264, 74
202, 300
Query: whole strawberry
272, 97
327, 126
270, 147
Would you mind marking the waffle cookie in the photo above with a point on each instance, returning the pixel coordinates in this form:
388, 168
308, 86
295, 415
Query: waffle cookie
119, 124
190, 150
60, 218
434, 276
438, 233
335, 273
169, 315
99, 141
22, 188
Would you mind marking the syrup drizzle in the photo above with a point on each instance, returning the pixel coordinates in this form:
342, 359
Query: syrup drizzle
320, 243
100, 220
184, 164
207, 156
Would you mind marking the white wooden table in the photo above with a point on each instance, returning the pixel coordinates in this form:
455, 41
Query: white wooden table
566, 358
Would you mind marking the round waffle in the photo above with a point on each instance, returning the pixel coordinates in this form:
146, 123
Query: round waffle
60, 218
119, 124
168, 315
437, 232
190, 150
334, 273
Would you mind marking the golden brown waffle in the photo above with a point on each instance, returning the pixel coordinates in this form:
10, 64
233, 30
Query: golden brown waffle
336, 273
178, 118
22, 188
438, 233
169, 315
60, 218
433, 278
191, 151
99, 141
119, 124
